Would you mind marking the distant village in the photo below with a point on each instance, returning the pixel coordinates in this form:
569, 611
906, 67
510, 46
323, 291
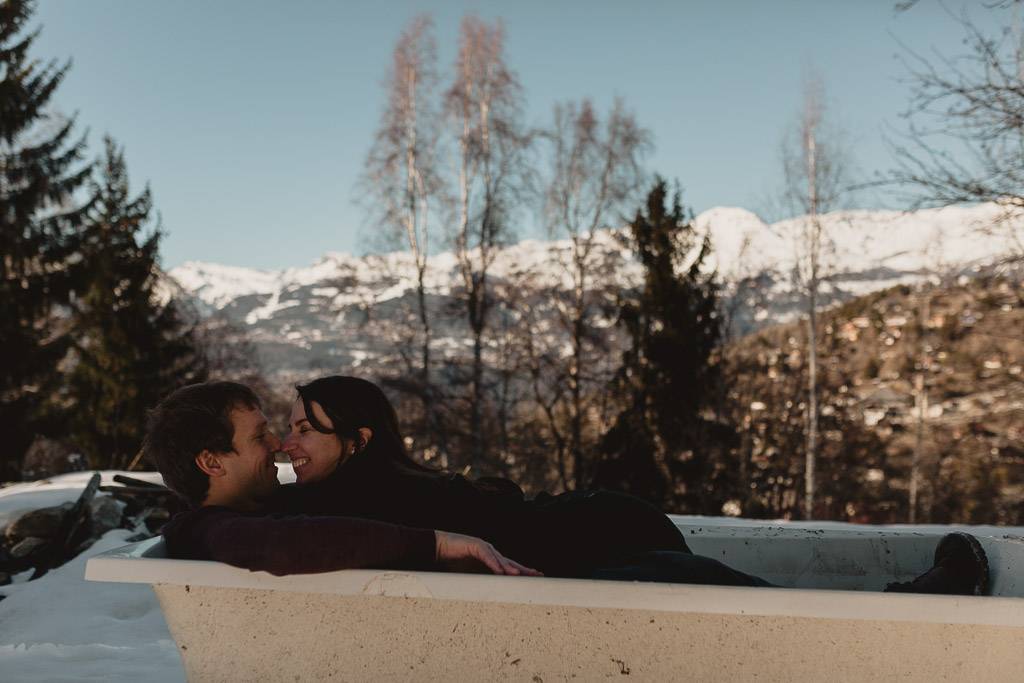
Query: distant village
936, 372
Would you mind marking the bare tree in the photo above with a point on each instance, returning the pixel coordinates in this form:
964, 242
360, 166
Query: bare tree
401, 182
596, 173
965, 140
814, 172
942, 271
484, 107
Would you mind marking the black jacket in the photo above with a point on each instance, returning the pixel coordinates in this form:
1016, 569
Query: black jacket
568, 535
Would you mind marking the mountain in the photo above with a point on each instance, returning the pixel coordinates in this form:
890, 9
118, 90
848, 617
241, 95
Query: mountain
344, 312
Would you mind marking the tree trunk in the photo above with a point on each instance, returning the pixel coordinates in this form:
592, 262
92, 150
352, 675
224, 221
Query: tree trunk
476, 431
575, 388
812, 413
922, 409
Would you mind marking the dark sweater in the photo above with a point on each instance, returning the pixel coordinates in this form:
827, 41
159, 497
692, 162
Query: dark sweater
295, 544
568, 535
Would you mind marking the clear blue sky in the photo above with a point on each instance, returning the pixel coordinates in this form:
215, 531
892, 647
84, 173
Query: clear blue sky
251, 119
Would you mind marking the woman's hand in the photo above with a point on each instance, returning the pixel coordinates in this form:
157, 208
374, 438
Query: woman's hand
466, 553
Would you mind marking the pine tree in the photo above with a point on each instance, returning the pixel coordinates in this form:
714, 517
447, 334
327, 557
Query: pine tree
40, 169
130, 348
662, 446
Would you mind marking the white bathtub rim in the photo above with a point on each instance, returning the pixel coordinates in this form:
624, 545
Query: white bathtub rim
128, 565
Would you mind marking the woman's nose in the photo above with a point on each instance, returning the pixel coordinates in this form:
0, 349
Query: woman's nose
288, 444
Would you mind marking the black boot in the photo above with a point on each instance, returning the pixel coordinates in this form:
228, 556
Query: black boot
961, 568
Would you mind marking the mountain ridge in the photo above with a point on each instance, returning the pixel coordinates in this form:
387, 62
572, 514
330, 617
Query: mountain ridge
306, 318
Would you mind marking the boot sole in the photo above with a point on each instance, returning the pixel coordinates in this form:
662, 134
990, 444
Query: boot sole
981, 585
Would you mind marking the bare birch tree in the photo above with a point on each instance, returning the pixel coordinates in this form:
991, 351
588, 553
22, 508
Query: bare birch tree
965, 140
940, 271
401, 182
595, 175
814, 170
484, 108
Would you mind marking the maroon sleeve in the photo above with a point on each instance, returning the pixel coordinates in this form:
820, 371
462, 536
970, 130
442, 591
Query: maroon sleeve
299, 544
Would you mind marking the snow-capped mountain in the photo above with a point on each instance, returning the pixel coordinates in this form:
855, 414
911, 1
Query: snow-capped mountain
343, 311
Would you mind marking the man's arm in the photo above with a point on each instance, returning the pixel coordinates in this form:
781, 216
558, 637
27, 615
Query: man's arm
305, 545
300, 544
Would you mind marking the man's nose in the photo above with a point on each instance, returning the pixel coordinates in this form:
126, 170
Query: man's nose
275, 443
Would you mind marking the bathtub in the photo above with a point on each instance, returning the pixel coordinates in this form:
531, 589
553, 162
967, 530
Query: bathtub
833, 624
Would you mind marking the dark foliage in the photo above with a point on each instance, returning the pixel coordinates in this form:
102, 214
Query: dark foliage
130, 348
40, 170
665, 444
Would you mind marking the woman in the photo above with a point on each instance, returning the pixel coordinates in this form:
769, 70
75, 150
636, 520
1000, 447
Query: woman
350, 459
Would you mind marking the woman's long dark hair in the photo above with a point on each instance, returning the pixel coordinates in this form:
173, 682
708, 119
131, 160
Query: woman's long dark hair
351, 403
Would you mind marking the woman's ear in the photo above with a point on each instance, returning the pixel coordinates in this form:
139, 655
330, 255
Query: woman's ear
209, 462
364, 437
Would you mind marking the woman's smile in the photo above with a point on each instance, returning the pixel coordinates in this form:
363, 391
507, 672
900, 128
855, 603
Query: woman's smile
314, 455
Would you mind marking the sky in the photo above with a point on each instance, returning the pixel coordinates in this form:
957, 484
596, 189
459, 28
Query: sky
251, 120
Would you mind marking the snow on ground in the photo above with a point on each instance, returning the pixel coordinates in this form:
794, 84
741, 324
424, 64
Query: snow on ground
65, 488
64, 628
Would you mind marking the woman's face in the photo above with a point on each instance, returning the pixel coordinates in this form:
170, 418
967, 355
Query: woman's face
314, 455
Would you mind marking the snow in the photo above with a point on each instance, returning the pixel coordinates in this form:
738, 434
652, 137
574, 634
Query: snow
869, 250
942, 239
31, 495
61, 627
216, 285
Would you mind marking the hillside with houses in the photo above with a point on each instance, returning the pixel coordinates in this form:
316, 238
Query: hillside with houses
934, 372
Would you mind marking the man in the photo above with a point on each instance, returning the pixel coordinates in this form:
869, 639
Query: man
212, 445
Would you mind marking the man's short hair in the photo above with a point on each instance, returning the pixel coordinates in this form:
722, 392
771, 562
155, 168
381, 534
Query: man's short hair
190, 420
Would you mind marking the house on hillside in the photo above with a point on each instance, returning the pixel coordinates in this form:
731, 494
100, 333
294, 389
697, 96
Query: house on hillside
885, 403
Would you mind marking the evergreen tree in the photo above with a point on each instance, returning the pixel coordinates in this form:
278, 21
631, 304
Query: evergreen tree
39, 172
131, 349
662, 446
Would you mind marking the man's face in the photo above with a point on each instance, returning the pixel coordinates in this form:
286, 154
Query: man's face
250, 470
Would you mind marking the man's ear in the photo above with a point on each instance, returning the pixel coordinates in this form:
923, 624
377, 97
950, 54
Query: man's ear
364, 437
209, 462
